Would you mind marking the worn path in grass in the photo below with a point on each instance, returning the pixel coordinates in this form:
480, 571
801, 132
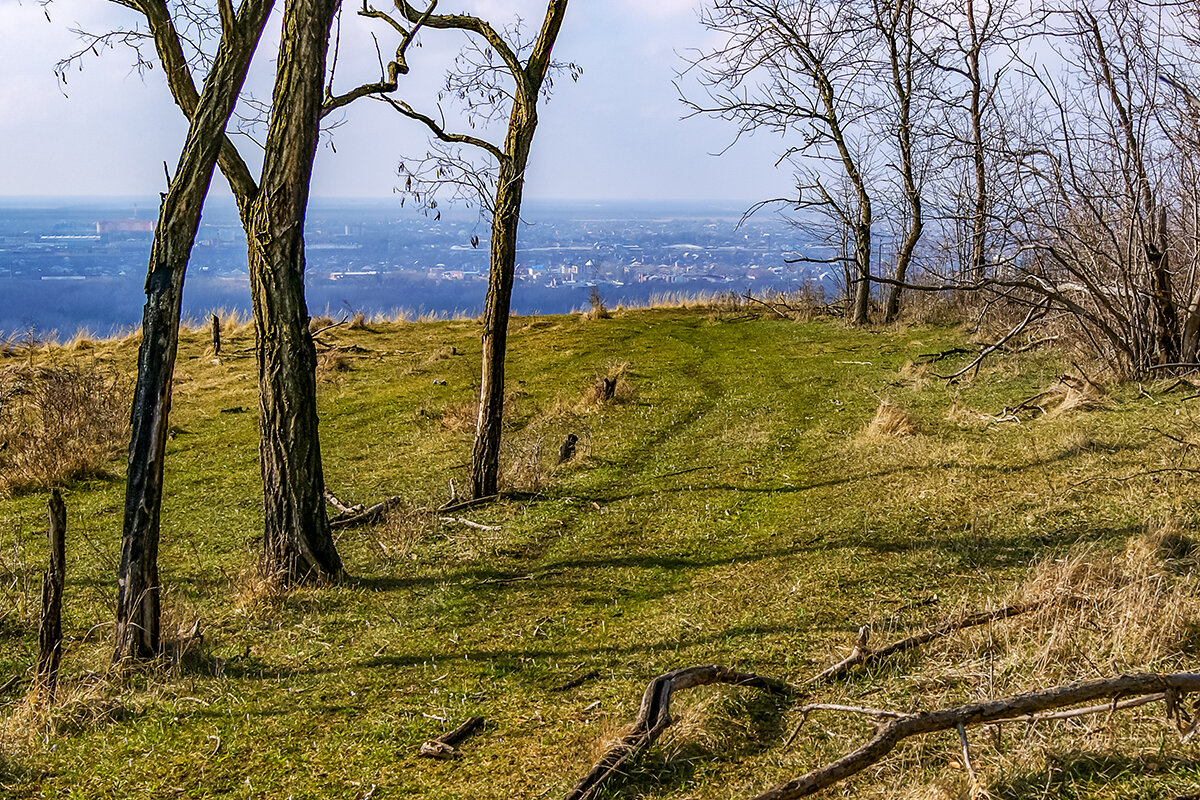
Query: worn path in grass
728, 509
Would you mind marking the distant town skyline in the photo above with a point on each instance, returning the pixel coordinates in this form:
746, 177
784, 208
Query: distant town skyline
615, 135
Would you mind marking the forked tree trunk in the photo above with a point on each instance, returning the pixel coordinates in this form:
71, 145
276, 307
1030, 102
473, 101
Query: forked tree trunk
138, 604
298, 544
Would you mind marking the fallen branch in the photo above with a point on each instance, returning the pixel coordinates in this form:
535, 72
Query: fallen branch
463, 521
459, 505
1032, 316
861, 654
578, 680
331, 498
443, 746
366, 515
1013, 708
654, 717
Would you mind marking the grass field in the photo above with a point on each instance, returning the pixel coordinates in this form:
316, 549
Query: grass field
733, 505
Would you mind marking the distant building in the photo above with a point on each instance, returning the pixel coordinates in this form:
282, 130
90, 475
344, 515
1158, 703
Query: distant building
109, 226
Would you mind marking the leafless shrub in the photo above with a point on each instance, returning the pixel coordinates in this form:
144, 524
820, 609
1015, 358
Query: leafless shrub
59, 423
598, 310
527, 463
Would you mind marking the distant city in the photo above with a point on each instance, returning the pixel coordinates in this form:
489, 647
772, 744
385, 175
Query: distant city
76, 265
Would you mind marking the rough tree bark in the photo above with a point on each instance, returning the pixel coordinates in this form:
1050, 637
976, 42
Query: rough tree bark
138, 604
298, 543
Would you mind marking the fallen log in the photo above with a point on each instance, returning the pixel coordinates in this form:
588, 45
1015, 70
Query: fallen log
861, 654
654, 717
1015, 708
443, 746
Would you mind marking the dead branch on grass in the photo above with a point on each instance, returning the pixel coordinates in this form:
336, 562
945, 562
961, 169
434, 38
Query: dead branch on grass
654, 717
861, 654
1017, 707
443, 746
357, 514
470, 524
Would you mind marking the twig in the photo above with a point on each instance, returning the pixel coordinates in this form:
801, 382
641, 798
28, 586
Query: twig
477, 526
367, 515
578, 680
357, 508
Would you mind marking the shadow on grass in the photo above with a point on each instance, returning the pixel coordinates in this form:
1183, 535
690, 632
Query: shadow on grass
1081, 775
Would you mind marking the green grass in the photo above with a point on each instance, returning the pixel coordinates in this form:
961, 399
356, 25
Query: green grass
728, 512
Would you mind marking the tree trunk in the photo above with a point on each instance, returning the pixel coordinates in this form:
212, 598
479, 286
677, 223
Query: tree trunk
485, 455
1165, 317
978, 266
862, 271
298, 544
902, 49
137, 630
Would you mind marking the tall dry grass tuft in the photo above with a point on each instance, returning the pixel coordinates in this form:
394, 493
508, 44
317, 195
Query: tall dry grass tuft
331, 363
611, 386
1134, 610
890, 422
59, 423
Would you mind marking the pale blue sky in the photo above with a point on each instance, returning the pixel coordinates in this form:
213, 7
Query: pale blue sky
616, 134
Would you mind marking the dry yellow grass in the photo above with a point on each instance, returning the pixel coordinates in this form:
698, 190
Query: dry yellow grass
890, 422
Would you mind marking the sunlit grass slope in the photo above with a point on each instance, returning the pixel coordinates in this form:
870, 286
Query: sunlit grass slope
733, 505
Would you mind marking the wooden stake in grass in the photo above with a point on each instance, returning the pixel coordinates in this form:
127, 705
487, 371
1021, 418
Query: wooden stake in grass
50, 630
216, 335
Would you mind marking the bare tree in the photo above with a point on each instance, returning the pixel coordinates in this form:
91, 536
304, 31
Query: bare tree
298, 544
137, 633
802, 68
909, 78
494, 70
1107, 206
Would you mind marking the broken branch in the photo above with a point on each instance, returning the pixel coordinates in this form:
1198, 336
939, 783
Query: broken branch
443, 746
654, 717
1005, 709
861, 654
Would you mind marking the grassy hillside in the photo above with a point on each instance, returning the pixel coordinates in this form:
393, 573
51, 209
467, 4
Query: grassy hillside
732, 506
